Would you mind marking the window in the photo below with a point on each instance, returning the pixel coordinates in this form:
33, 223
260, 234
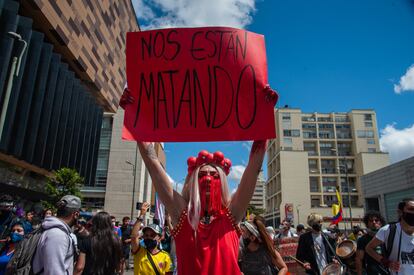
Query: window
309, 134
341, 119
314, 184
325, 126
330, 199
313, 166
368, 117
354, 201
351, 182
370, 141
291, 133
286, 116
308, 126
372, 150
324, 119
368, 124
308, 118
365, 133
315, 201
329, 184
326, 134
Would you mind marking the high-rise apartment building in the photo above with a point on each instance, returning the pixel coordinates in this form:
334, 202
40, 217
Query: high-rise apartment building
258, 198
312, 154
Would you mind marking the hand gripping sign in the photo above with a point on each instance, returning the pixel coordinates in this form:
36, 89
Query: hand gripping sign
198, 84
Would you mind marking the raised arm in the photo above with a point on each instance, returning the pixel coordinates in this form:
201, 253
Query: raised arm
244, 193
137, 227
173, 201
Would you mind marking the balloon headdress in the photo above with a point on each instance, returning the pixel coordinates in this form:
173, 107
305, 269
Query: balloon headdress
208, 194
204, 157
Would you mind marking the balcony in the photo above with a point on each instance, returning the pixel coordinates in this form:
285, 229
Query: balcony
309, 134
328, 171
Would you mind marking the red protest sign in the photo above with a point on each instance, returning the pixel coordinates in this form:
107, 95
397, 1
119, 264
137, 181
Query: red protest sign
197, 84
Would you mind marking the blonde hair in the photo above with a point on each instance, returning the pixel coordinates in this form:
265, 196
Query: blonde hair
191, 194
314, 218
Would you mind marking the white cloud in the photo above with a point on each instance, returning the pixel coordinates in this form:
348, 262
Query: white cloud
190, 13
236, 172
399, 143
406, 81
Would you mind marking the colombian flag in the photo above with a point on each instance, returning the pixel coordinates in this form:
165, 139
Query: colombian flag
337, 209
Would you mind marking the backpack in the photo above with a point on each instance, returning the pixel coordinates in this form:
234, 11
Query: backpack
390, 240
22, 260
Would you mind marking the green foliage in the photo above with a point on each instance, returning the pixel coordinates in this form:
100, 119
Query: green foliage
65, 181
253, 210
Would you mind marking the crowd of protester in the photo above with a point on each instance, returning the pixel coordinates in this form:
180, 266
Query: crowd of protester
72, 244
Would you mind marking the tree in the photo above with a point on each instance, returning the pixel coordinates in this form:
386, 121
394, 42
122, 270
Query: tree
253, 210
65, 181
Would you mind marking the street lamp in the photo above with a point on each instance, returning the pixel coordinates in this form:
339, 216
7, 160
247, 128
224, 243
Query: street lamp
134, 170
297, 211
14, 71
345, 167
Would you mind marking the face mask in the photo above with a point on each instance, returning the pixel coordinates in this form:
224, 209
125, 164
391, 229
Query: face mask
408, 218
317, 227
150, 244
16, 237
246, 241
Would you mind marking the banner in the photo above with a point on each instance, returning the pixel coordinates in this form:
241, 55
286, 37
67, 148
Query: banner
287, 249
197, 84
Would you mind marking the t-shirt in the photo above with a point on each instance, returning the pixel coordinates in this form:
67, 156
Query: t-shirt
320, 252
117, 231
85, 247
4, 260
125, 234
142, 264
403, 243
370, 264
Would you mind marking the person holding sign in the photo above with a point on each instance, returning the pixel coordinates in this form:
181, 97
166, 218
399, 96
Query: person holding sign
204, 217
200, 84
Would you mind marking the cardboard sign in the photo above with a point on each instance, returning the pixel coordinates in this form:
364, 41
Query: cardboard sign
287, 248
197, 84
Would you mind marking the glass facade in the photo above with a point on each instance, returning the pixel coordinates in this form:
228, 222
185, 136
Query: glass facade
104, 148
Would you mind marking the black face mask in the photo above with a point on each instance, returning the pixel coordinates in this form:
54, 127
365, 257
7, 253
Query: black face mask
150, 244
246, 241
317, 227
408, 218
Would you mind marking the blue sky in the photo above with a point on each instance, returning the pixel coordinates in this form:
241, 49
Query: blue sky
322, 56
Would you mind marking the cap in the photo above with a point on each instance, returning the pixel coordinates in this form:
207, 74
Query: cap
70, 201
154, 227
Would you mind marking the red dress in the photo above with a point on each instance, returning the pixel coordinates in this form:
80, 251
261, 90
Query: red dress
213, 252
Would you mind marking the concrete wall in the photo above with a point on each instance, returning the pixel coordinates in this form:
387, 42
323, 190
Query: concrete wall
398, 177
118, 197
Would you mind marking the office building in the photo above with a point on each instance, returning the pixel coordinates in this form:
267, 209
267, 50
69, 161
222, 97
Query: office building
71, 68
122, 179
312, 154
383, 189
